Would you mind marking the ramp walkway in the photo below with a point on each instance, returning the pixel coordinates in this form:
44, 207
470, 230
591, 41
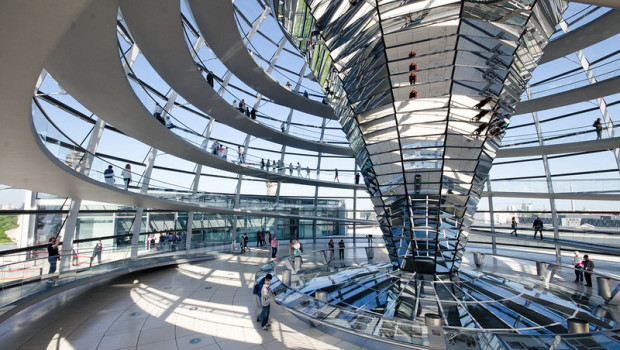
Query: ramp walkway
156, 27
216, 21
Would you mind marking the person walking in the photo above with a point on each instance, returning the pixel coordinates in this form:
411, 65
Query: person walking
267, 236
298, 169
336, 175
283, 126
126, 174
598, 127
215, 147
538, 227
97, 253
74, 255
259, 238
331, 247
53, 255
578, 263
257, 290
108, 175
588, 267
307, 172
290, 169
369, 240
357, 178
239, 155
274, 246
341, 249
262, 164
514, 226
245, 242
224, 151
266, 296
290, 247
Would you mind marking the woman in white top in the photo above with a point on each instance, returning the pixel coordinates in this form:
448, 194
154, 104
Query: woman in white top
126, 174
578, 264
296, 247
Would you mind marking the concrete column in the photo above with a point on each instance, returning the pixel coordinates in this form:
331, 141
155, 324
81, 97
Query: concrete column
146, 178
74, 209
188, 232
195, 183
492, 218
67, 239
316, 188
554, 214
130, 58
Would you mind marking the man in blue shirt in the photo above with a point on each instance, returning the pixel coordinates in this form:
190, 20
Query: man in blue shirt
108, 175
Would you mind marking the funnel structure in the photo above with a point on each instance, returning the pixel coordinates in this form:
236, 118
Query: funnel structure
424, 91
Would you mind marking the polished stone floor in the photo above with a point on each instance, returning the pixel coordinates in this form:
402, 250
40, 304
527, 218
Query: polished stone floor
206, 305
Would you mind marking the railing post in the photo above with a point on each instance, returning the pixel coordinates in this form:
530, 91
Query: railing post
604, 288
297, 262
370, 253
478, 259
286, 277
541, 270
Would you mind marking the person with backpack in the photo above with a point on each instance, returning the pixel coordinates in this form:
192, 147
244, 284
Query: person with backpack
258, 286
514, 226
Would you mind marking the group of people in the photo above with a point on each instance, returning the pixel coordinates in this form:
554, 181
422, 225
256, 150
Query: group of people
583, 269
265, 238
108, 175
537, 225
295, 248
280, 167
53, 255
244, 109
167, 241
221, 151
331, 248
